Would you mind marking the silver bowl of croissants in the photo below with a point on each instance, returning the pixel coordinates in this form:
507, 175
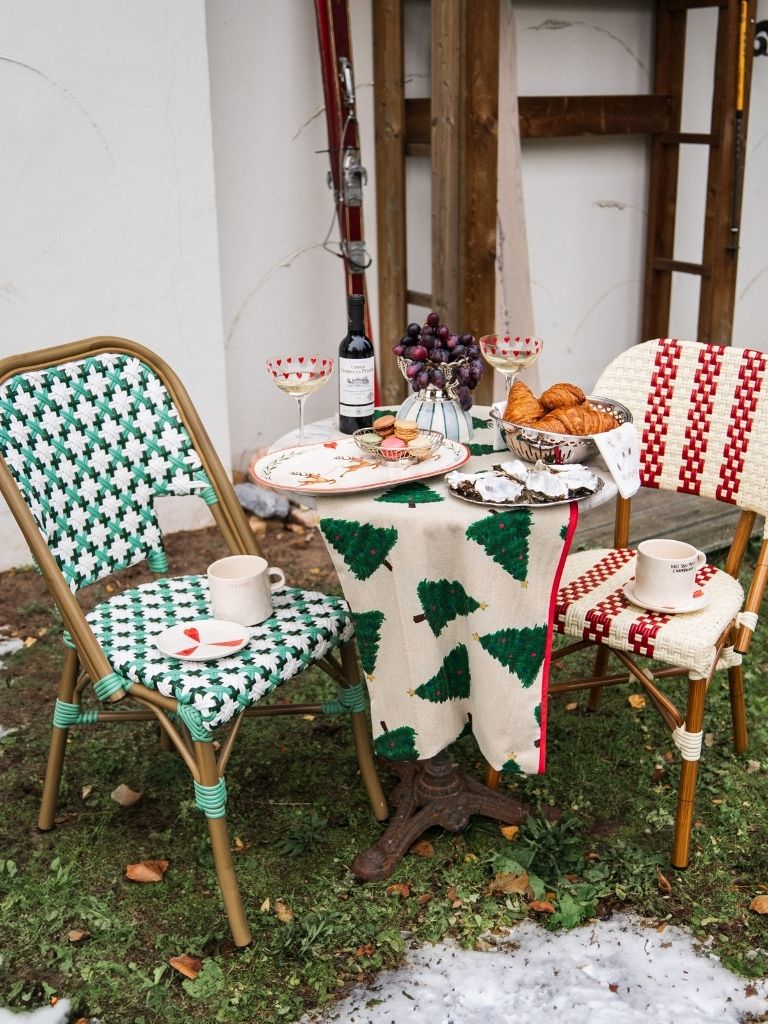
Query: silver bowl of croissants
557, 427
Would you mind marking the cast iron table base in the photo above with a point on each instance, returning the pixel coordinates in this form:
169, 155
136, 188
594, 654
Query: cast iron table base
432, 792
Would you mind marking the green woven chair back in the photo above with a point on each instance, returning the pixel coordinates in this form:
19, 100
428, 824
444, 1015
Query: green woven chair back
90, 445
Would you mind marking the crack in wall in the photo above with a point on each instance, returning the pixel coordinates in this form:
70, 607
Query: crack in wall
555, 24
68, 95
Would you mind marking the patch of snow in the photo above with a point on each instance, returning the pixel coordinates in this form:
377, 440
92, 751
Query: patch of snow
58, 1014
8, 644
620, 970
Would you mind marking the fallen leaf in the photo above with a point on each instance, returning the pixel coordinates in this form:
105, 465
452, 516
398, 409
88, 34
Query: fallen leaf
541, 907
470, 858
85, 792
451, 893
283, 912
78, 935
266, 906
658, 773
509, 882
125, 796
367, 950
572, 706
571, 878
456, 904
753, 766
664, 883
29, 640
82, 1020
146, 871
613, 986
510, 831
309, 718
424, 899
423, 848
189, 966
661, 928
636, 700
592, 855
759, 904
709, 739
240, 846
402, 889
668, 756
483, 945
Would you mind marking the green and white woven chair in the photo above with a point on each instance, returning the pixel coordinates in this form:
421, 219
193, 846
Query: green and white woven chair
701, 412
90, 434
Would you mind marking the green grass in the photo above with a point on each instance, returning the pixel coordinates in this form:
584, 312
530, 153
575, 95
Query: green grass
300, 815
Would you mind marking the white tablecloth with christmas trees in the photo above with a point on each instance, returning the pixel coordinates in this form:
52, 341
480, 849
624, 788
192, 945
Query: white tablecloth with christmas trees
453, 607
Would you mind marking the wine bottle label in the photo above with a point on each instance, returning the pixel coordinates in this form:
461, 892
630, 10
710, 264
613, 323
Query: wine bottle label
356, 387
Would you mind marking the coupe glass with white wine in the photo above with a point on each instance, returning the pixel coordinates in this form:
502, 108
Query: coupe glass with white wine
509, 354
300, 376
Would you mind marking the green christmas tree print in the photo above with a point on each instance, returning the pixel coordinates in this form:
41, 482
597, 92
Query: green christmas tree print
519, 650
397, 744
451, 682
537, 714
368, 636
479, 424
363, 547
480, 449
563, 531
443, 601
505, 539
412, 494
512, 766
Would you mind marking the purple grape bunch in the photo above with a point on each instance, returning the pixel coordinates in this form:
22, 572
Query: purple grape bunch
437, 358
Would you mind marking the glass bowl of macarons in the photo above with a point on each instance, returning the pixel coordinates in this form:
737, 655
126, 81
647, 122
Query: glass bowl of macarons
390, 440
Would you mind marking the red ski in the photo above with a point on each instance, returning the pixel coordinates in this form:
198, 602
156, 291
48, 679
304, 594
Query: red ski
347, 175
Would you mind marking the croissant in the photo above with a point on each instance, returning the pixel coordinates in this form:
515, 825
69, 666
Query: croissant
562, 395
522, 405
581, 420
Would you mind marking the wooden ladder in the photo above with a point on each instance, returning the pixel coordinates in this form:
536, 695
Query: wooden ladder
456, 129
726, 141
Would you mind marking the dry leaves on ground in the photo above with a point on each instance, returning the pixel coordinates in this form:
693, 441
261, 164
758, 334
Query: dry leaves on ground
510, 831
78, 935
759, 904
146, 871
401, 889
283, 912
541, 907
665, 885
636, 700
189, 966
423, 848
509, 883
125, 796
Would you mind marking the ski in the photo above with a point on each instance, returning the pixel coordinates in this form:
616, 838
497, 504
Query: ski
347, 175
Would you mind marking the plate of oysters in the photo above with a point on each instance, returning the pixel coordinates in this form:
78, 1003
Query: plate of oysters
517, 484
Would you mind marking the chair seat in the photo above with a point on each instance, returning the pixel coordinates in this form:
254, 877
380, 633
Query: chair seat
304, 627
591, 605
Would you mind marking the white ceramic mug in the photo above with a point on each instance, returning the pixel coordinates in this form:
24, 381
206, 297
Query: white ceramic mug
241, 588
665, 574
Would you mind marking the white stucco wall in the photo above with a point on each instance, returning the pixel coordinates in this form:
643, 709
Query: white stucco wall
107, 195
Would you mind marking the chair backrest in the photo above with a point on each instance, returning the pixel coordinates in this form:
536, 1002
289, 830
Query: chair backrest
90, 443
701, 413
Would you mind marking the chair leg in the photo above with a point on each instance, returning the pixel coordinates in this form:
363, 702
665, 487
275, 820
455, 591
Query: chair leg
222, 855
67, 693
689, 770
738, 708
362, 736
601, 664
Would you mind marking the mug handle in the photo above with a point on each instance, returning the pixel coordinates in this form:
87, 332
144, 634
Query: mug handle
280, 581
701, 558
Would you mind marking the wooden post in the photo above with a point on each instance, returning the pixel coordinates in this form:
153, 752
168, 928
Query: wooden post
478, 178
389, 107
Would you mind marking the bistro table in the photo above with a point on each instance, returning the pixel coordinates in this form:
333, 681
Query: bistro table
453, 604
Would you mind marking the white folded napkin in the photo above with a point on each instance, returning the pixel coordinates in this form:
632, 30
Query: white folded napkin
499, 441
620, 449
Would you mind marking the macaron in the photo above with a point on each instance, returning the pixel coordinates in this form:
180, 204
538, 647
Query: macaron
393, 448
406, 430
370, 438
419, 448
384, 426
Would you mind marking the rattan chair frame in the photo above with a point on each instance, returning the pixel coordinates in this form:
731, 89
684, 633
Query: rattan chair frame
86, 662
736, 635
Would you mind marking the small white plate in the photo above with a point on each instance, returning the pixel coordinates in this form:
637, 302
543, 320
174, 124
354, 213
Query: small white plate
693, 606
203, 640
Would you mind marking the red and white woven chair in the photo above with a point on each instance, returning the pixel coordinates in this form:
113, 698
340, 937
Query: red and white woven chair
701, 412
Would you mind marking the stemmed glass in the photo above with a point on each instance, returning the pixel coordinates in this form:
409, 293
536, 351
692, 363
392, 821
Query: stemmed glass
299, 376
510, 354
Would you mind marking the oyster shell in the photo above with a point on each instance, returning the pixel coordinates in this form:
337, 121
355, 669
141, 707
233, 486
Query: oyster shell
454, 478
498, 488
517, 469
579, 478
547, 485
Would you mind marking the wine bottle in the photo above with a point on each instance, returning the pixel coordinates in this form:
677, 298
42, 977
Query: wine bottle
356, 372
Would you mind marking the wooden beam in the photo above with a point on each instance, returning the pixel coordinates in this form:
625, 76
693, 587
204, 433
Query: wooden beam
664, 162
445, 142
389, 124
479, 157
557, 116
725, 181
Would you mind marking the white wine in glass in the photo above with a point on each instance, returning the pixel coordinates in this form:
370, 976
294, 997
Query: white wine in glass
510, 354
299, 376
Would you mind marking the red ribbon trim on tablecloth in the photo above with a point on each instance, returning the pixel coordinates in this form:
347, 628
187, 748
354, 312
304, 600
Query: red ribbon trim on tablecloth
572, 522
